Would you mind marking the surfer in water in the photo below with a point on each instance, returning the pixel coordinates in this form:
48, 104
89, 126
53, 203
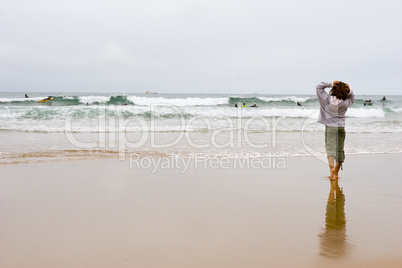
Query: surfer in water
26, 96
333, 107
368, 102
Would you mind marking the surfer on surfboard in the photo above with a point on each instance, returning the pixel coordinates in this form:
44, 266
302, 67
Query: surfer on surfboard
47, 99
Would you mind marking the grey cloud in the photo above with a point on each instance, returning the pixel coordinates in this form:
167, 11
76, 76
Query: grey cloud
194, 46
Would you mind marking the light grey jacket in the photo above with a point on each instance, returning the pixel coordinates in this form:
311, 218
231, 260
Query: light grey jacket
332, 109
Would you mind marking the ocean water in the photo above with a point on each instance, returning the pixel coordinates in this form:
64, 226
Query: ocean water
82, 126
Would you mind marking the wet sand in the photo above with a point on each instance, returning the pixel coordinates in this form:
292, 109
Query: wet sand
102, 213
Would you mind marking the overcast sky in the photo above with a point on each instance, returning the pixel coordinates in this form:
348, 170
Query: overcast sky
208, 46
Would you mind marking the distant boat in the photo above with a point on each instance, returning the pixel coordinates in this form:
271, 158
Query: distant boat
150, 92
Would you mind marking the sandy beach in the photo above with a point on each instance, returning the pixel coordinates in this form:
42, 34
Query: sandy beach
110, 213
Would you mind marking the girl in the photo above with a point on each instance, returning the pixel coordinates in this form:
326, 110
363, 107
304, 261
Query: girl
333, 107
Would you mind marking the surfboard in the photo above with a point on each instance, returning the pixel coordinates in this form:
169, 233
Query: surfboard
46, 100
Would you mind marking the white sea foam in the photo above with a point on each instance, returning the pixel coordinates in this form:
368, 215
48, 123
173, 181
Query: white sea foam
20, 99
68, 97
396, 110
288, 98
250, 112
93, 99
88, 113
172, 125
203, 111
365, 113
181, 102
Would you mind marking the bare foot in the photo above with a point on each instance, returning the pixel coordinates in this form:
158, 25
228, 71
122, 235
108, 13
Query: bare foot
333, 176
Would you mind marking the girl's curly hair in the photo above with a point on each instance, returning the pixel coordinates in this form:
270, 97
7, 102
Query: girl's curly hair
340, 90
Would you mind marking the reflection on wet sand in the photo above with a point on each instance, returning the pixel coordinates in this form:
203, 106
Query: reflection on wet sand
333, 237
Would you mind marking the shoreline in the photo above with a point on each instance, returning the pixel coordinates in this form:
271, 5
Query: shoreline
96, 154
103, 213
